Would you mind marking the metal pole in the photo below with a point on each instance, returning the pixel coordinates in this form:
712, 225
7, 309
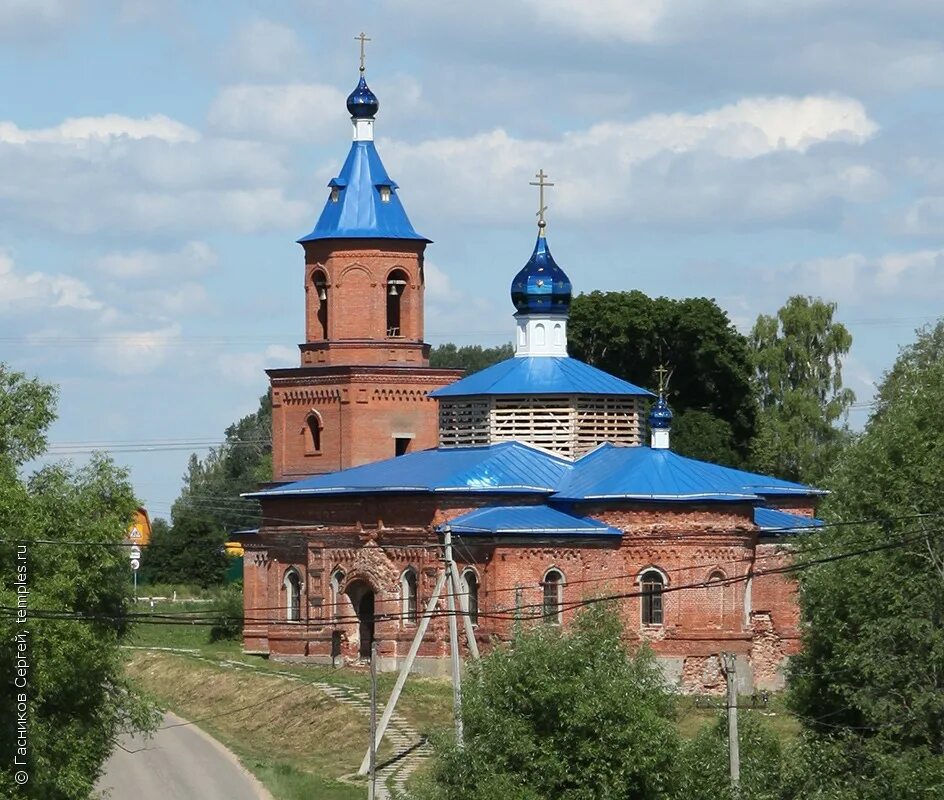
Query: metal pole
405, 669
135, 573
734, 757
453, 638
372, 780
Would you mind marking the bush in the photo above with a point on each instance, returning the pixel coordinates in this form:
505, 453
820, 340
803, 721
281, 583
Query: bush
229, 608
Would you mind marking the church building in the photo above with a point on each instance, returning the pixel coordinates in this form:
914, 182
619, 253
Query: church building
556, 481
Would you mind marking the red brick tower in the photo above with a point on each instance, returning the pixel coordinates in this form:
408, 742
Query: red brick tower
361, 393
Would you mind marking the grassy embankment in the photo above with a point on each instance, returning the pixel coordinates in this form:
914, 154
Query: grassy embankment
295, 739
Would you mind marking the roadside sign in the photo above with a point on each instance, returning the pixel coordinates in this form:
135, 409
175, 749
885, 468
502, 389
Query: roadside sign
135, 563
134, 552
134, 533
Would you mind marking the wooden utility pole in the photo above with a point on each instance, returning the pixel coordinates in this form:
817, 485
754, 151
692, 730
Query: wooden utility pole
734, 758
453, 590
372, 779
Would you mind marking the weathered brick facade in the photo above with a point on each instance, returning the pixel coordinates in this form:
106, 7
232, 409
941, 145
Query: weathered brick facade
371, 543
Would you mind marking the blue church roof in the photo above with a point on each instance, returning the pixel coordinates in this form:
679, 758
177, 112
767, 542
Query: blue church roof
540, 375
509, 467
774, 521
524, 520
359, 212
541, 286
645, 473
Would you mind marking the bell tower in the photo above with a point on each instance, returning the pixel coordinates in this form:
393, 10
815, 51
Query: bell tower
361, 392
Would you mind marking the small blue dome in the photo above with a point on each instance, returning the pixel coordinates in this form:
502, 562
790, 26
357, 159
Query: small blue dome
362, 102
660, 415
541, 285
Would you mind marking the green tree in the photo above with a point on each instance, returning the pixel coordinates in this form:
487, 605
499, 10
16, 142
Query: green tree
565, 715
78, 700
797, 357
870, 678
631, 335
471, 358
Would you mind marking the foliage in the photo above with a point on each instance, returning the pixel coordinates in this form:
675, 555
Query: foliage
797, 357
78, 700
871, 674
27, 409
703, 762
229, 607
471, 358
210, 508
631, 335
191, 551
566, 715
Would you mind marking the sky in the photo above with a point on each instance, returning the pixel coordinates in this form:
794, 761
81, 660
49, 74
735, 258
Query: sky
159, 159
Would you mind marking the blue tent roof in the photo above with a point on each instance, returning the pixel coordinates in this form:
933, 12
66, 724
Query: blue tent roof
535, 520
773, 521
509, 467
644, 473
359, 212
540, 375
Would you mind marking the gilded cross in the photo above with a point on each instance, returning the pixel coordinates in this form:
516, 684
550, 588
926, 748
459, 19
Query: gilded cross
363, 40
664, 374
541, 183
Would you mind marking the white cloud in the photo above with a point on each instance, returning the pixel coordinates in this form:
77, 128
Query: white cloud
291, 111
194, 258
248, 369
661, 166
22, 20
154, 175
136, 352
457, 316
866, 283
652, 20
925, 217
40, 291
263, 48
109, 126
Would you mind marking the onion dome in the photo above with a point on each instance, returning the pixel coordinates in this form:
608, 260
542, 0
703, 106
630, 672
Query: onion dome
660, 415
541, 287
362, 102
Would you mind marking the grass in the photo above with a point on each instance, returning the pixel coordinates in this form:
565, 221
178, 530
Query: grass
293, 737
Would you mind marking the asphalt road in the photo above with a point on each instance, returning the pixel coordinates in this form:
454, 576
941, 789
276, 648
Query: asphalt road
181, 763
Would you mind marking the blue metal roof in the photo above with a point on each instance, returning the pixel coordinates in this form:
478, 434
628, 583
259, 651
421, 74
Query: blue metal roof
541, 286
540, 375
644, 473
523, 520
509, 467
359, 212
774, 521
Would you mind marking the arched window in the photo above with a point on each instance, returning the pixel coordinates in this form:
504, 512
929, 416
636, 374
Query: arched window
320, 281
396, 286
539, 334
651, 585
313, 442
553, 585
293, 595
337, 581
470, 595
408, 595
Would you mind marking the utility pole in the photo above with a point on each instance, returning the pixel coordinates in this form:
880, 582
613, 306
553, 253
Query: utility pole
453, 589
372, 779
405, 670
734, 758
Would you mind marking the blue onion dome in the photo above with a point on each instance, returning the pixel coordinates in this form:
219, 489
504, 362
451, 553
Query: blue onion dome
541, 286
362, 102
660, 415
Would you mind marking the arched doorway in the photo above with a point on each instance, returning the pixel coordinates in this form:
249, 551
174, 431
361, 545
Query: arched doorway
362, 599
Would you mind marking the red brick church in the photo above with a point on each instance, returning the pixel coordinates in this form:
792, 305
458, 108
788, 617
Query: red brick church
557, 480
